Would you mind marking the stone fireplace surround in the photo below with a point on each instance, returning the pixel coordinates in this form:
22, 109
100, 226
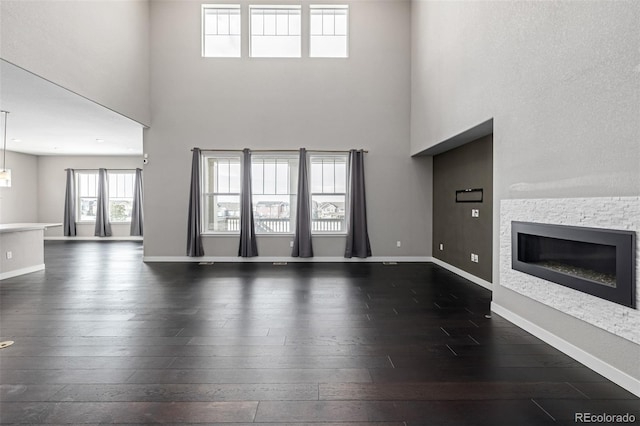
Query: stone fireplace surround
621, 213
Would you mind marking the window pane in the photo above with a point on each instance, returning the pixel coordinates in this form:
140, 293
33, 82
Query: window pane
316, 22
328, 177
328, 213
222, 213
257, 177
269, 177
88, 209
282, 177
223, 176
210, 22
234, 176
341, 22
316, 176
328, 23
234, 22
223, 23
341, 177
257, 22
271, 213
269, 22
282, 22
120, 210
294, 23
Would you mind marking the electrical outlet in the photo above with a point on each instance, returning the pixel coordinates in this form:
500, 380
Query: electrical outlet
398, 244
475, 213
9, 254
474, 257
441, 246
291, 244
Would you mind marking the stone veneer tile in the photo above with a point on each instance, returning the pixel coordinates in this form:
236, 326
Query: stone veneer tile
621, 213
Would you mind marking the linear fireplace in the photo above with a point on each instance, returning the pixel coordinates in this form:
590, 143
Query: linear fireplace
600, 262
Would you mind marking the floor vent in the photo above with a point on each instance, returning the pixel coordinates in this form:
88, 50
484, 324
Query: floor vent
279, 263
205, 263
389, 263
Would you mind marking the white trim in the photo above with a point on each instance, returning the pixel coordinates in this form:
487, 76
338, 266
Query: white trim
22, 271
270, 259
618, 377
463, 274
123, 238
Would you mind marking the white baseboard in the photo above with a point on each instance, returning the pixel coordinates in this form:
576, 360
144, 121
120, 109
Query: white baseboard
271, 259
596, 364
123, 238
21, 271
463, 274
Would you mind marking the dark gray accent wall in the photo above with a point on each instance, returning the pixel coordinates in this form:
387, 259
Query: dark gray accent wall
465, 167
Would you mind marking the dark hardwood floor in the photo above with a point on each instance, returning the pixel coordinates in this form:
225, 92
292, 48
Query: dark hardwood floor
101, 337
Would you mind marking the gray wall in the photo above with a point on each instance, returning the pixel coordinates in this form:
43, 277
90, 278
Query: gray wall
560, 80
98, 49
359, 102
468, 166
19, 203
51, 185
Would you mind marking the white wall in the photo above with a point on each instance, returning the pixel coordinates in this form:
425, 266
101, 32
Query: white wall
19, 203
561, 82
359, 102
52, 186
98, 49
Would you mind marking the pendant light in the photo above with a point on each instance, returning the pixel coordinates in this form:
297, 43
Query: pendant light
5, 175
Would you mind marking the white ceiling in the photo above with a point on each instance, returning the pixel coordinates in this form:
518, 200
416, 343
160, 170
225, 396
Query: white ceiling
46, 119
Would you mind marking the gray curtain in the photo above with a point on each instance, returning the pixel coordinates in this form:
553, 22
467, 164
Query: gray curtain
137, 208
194, 239
357, 235
302, 246
70, 205
103, 227
248, 245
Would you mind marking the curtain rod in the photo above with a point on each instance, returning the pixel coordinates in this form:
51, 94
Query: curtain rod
275, 150
101, 168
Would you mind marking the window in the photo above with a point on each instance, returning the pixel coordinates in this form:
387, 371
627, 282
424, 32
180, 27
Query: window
274, 181
120, 196
273, 187
87, 190
329, 31
275, 31
120, 192
328, 193
221, 31
222, 193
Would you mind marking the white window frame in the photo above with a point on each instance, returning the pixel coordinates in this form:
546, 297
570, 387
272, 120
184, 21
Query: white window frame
329, 156
277, 28
325, 31
291, 193
115, 197
79, 195
217, 8
208, 192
